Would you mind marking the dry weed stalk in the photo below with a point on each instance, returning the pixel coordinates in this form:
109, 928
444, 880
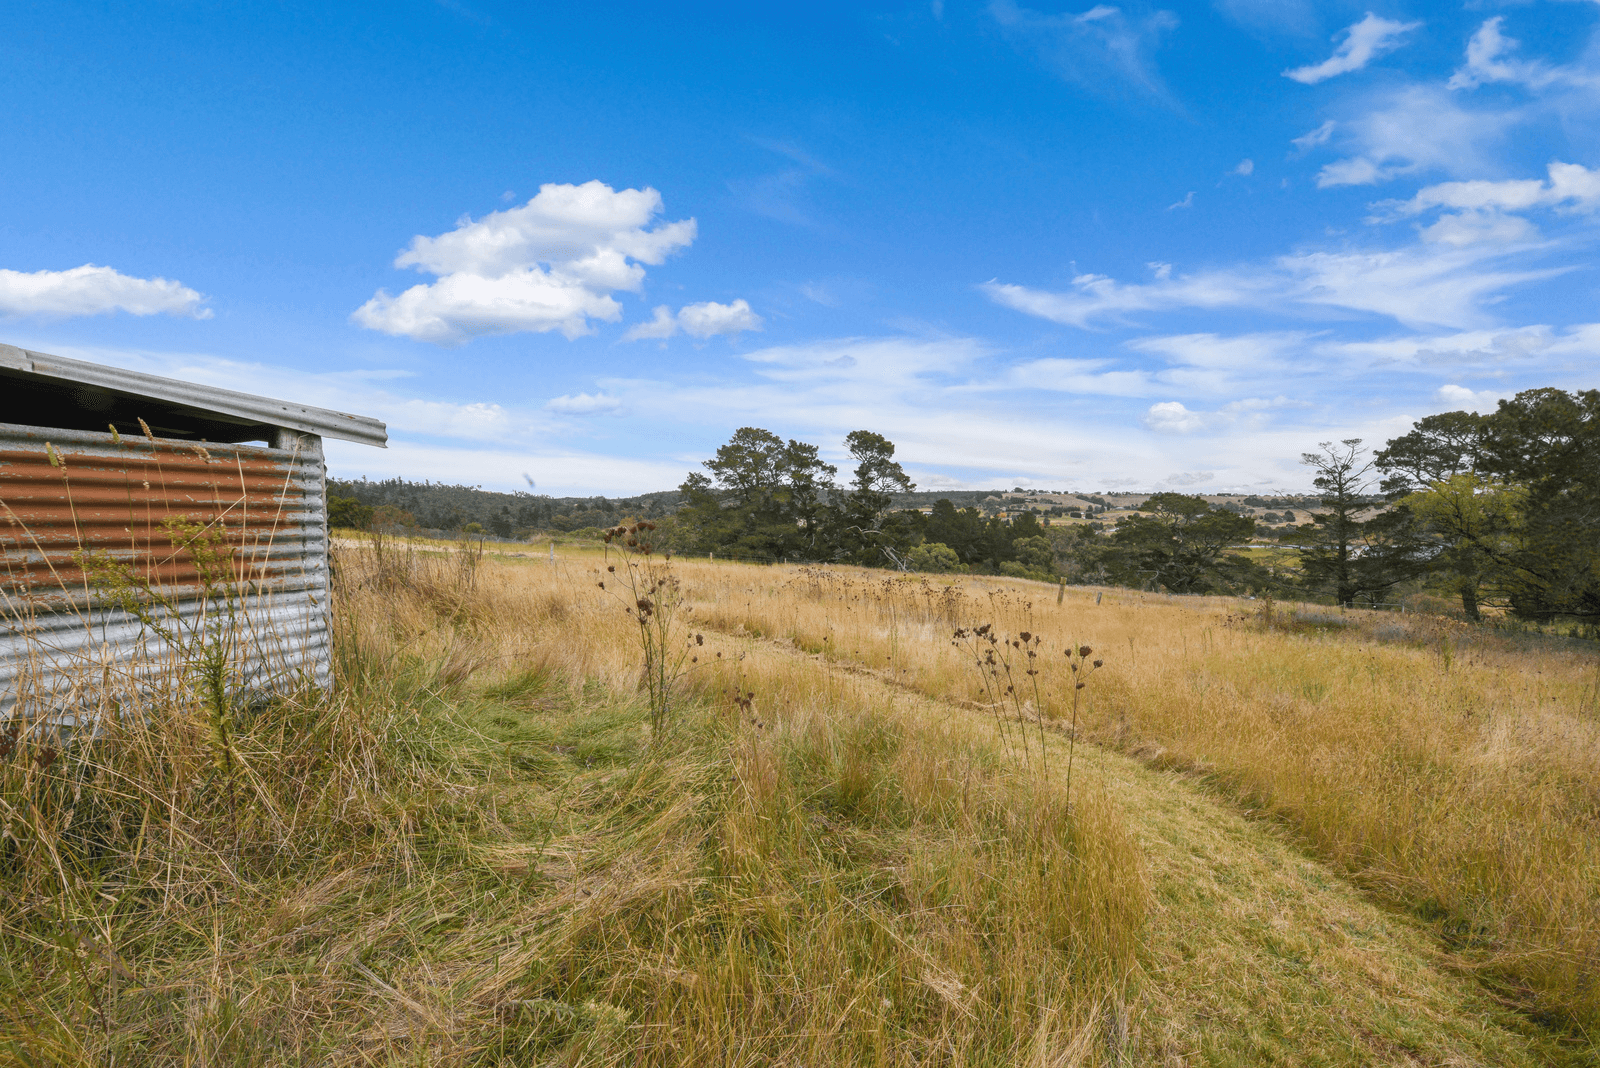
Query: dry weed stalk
652, 597
1081, 670
990, 654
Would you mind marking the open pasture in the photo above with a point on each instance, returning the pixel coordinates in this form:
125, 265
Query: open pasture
1452, 770
1290, 838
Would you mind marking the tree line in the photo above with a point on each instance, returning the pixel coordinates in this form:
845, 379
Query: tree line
1497, 510
399, 504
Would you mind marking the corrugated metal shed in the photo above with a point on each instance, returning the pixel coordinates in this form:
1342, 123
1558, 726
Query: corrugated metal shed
125, 550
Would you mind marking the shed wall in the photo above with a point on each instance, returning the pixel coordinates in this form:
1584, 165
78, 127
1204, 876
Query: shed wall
215, 542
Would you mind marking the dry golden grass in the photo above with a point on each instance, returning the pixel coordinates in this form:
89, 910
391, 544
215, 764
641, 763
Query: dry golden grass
475, 851
473, 854
1453, 770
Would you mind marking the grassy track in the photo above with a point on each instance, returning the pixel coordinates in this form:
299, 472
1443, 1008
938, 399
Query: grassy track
1253, 952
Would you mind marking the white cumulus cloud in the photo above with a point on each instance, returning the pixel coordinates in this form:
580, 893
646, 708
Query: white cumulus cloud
703, 320
1365, 40
551, 264
1461, 397
92, 290
710, 318
1171, 417
665, 324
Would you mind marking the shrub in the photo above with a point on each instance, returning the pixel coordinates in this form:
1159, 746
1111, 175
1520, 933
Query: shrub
933, 556
1016, 569
1035, 553
349, 514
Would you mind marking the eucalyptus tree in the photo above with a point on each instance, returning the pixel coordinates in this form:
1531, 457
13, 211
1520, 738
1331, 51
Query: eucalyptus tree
1513, 498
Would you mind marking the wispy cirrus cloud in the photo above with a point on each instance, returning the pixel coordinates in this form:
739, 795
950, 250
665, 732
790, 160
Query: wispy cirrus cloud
583, 404
1096, 298
1248, 413
1447, 127
1295, 17
1364, 41
783, 195
1191, 365
1492, 212
1490, 58
1306, 142
1417, 128
1569, 186
1251, 353
1446, 286
962, 411
1103, 48
1568, 348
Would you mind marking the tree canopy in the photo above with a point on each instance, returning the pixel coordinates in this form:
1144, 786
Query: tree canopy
1180, 542
1511, 500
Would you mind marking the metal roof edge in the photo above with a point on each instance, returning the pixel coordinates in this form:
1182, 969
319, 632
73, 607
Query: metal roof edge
266, 410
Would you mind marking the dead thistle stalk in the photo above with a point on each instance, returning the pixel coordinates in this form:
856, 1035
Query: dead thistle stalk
1080, 677
992, 657
652, 596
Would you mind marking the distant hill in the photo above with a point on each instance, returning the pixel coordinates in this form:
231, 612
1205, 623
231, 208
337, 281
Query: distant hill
443, 507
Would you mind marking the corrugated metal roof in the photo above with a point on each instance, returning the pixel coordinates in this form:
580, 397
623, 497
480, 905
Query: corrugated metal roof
243, 407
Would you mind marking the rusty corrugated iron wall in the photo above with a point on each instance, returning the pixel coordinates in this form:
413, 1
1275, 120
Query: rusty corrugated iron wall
207, 539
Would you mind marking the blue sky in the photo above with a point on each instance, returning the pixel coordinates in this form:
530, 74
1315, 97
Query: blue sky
1096, 246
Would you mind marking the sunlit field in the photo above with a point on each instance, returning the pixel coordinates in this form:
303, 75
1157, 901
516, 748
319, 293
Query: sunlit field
852, 836
1450, 769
